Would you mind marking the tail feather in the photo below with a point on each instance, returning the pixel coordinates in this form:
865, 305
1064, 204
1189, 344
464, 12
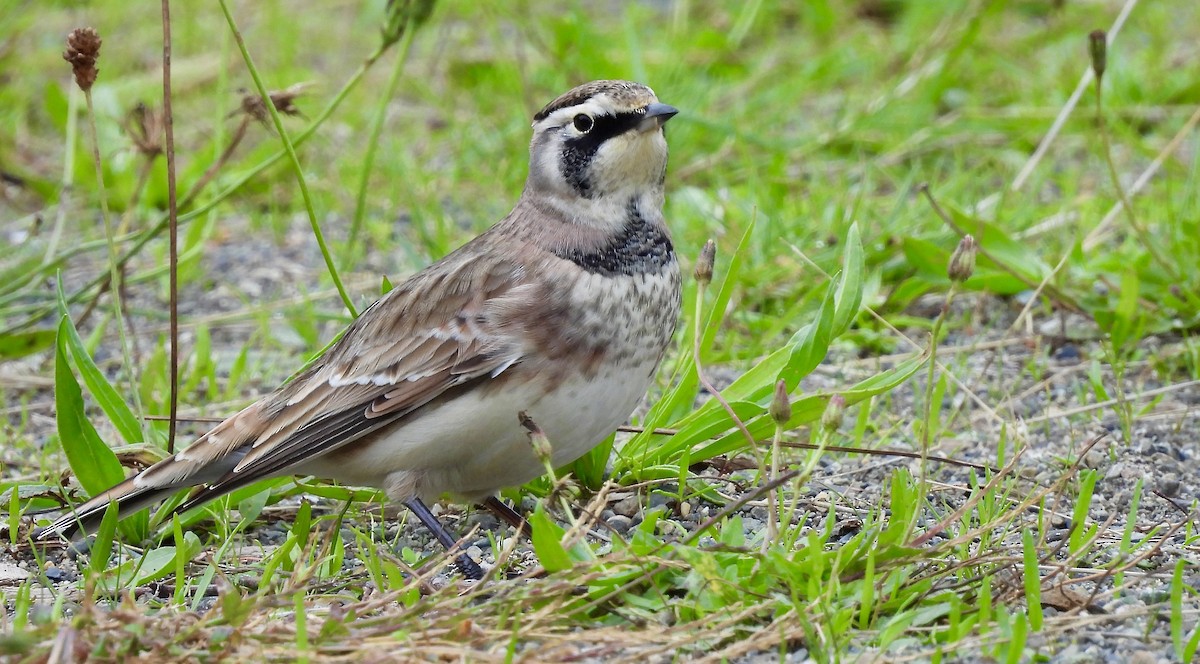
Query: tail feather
86, 518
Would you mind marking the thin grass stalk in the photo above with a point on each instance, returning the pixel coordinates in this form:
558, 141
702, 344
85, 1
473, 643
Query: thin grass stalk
360, 203
773, 497
1106, 147
926, 429
291, 153
68, 177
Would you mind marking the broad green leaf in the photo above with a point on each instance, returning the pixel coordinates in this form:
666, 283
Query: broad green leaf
931, 262
927, 258
547, 542
93, 462
20, 344
809, 345
110, 401
155, 564
29, 497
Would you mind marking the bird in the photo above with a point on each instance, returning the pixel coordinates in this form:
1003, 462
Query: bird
562, 311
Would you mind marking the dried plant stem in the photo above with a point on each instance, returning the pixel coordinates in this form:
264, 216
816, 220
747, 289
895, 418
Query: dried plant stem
173, 223
115, 268
291, 153
360, 204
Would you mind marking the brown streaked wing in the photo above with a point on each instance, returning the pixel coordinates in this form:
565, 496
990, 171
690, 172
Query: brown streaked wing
422, 339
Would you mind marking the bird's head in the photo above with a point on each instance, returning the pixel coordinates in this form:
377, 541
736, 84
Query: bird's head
602, 140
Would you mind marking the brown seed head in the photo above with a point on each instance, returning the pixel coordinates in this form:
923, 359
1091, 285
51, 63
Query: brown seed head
145, 128
1098, 49
284, 101
704, 263
83, 49
962, 261
781, 408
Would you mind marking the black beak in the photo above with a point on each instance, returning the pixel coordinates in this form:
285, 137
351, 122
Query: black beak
656, 116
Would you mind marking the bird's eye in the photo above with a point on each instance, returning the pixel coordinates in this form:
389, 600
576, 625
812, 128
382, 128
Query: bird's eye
583, 123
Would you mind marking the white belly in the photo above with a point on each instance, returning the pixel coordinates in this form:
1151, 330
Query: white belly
474, 445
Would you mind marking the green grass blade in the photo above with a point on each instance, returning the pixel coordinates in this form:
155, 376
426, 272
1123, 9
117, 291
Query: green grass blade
1033, 581
720, 304
94, 464
110, 401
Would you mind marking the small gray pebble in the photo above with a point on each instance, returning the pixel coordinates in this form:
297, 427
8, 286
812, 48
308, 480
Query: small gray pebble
620, 523
1168, 485
660, 500
627, 506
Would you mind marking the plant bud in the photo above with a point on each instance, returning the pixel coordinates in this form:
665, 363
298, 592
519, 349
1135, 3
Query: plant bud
704, 263
403, 15
962, 261
1098, 48
781, 408
537, 438
835, 410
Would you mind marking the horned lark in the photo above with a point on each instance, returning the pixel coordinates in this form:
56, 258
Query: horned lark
562, 310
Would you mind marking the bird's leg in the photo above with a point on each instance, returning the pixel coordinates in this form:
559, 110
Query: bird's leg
508, 515
467, 567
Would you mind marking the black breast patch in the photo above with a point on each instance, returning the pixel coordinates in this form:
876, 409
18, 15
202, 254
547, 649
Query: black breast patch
640, 248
